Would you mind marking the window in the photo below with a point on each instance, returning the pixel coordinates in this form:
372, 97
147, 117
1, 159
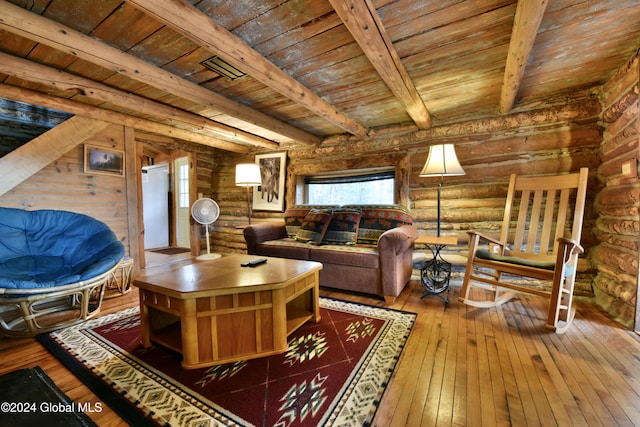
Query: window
183, 185
344, 188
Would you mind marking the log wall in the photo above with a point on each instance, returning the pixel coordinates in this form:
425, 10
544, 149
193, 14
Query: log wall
618, 204
206, 163
555, 139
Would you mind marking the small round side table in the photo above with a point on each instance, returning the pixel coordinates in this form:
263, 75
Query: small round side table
436, 272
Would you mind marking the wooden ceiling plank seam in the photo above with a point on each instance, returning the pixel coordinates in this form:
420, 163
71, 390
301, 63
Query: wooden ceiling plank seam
200, 28
85, 15
361, 19
35, 27
85, 110
125, 27
263, 27
281, 44
529, 14
27, 70
223, 11
441, 20
444, 44
174, 46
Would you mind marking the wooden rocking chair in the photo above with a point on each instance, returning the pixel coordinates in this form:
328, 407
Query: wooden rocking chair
541, 248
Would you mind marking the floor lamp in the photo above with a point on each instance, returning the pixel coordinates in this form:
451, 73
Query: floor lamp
442, 161
248, 175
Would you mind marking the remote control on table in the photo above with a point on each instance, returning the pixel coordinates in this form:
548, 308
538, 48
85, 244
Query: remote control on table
254, 262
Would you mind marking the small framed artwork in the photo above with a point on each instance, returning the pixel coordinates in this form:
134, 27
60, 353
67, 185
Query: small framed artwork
269, 196
103, 160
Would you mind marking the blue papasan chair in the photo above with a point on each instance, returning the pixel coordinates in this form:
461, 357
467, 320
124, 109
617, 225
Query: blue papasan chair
53, 269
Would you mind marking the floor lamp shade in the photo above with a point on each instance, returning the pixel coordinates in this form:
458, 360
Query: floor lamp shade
248, 175
442, 161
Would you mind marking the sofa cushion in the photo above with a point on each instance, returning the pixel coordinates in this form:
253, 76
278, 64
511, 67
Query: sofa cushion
284, 248
355, 256
376, 219
314, 226
343, 228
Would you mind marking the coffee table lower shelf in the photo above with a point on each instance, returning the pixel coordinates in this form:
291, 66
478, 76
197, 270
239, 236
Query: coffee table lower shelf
222, 328
170, 336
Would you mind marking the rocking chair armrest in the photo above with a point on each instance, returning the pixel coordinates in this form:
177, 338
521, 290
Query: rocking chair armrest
486, 238
571, 242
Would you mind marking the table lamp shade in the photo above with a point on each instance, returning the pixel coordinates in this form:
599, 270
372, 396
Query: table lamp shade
248, 175
442, 161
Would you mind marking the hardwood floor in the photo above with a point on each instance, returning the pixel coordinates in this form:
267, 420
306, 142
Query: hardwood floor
465, 366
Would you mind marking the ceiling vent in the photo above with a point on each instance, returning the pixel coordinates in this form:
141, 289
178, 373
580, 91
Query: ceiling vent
222, 67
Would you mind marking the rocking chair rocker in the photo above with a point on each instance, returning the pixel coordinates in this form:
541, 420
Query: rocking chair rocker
541, 249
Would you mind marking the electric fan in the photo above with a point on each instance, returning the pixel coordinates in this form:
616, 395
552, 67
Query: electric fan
206, 211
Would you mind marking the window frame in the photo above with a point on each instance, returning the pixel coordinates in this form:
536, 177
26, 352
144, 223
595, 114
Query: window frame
400, 162
349, 177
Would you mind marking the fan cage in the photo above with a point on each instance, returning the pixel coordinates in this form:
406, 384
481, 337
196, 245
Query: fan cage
205, 211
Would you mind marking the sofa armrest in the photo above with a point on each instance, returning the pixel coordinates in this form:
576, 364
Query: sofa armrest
262, 232
397, 240
395, 248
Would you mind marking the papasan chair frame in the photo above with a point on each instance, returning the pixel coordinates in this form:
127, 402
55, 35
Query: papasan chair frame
54, 266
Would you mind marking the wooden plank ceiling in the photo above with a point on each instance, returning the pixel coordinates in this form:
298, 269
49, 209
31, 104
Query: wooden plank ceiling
314, 68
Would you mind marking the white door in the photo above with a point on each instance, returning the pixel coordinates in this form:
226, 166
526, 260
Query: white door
181, 185
155, 205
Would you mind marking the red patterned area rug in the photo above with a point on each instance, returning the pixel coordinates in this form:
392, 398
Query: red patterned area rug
334, 372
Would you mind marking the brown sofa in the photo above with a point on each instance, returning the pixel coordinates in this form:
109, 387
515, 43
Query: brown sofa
363, 248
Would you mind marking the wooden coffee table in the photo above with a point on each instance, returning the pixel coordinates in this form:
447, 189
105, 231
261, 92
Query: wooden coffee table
217, 311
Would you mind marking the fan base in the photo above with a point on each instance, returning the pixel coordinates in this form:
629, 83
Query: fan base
205, 257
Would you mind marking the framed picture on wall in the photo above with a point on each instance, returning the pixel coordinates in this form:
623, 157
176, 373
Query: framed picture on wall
269, 196
103, 160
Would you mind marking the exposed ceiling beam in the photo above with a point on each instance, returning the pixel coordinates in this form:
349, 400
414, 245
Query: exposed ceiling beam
151, 150
205, 32
33, 72
154, 143
526, 23
28, 159
86, 110
364, 24
17, 20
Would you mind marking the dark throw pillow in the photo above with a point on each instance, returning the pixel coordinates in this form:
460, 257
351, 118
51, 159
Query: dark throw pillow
314, 226
343, 228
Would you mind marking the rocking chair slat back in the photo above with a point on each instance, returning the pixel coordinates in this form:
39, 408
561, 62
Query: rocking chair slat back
547, 228
543, 213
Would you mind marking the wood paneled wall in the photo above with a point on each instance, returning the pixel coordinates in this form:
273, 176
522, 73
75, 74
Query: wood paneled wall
64, 185
618, 204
